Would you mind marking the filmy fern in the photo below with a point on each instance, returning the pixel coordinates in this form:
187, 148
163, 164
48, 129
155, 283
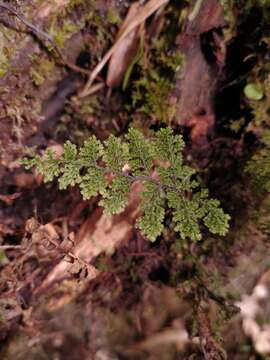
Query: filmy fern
158, 163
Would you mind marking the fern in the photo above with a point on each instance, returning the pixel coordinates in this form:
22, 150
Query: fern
158, 163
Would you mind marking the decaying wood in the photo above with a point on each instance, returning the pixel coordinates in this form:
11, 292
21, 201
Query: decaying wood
199, 78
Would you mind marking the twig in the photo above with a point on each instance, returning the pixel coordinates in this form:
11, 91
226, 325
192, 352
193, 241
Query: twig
229, 306
196, 10
95, 88
42, 34
11, 247
134, 178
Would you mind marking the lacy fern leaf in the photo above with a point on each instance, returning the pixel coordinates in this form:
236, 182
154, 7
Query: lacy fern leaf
151, 222
141, 159
93, 183
115, 198
116, 154
109, 169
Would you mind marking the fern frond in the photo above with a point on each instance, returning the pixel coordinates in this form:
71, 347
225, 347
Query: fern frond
158, 163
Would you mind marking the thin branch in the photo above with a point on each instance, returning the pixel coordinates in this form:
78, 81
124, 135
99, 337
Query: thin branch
11, 247
134, 178
195, 11
45, 36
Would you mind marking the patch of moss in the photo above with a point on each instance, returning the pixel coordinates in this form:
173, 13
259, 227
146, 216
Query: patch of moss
258, 167
3, 261
155, 71
5, 52
113, 16
228, 6
237, 125
74, 3
70, 20
41, 69
62, 31
260, 109
151, 93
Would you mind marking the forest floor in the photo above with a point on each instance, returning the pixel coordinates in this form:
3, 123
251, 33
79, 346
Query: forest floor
107, 293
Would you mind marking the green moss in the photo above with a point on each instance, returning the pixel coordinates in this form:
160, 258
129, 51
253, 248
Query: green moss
228, 6
151, 77
261, 3
260, 109
75, 3
80, 107
40, 70
3, 261
259, 169
63, 25
5, 51
113, 16
237, 125
151, 94
264, 217
62, 31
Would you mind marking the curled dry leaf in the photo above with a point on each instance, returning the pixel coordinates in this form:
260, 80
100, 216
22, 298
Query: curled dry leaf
31, 225
75, 268
46, 240
125, 50
68, 243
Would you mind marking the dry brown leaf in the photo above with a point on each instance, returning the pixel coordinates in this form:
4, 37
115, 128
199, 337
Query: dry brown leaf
147, 10
99, 234
167, 336
125, 50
